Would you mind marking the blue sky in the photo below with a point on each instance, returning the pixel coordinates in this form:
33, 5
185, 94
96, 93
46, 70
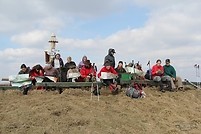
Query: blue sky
139, 30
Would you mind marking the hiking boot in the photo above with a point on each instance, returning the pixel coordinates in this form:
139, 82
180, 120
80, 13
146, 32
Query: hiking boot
60, 90
181, 89
95, 92
172, 89
115, 91
162, 90
25, 91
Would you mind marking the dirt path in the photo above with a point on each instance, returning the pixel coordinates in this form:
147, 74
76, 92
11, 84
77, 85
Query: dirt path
73, 112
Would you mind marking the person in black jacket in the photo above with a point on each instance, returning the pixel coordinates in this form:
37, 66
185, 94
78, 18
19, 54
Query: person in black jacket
24, 69
110, 57
58, 63
69, 64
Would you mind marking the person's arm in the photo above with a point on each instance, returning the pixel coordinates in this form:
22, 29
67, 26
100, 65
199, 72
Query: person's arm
124, 71
173, 73
153, 71
162, 70
113, 71
99, 74
74, 63
61, 62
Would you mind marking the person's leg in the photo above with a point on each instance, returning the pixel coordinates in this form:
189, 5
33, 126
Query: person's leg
168, 79
156, 78
179, 83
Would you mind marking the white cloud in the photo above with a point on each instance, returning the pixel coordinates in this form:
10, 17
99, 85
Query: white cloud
32, 38
12, 59
23, 15
171, 31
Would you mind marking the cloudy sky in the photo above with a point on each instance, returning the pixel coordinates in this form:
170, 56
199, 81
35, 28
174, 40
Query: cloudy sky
139, 30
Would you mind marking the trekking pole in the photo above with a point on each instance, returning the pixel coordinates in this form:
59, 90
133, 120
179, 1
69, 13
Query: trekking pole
97, 87
148, 64
133, 69
60, 74
196, 73
97, 90
92, 86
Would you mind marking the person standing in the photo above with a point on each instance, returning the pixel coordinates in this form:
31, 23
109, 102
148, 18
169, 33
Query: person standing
110, 57
58, 63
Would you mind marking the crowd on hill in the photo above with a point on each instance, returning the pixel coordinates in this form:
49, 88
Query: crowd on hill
109, 74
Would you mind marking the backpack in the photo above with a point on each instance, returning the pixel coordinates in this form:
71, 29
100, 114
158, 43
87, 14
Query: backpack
135, 91
148, 75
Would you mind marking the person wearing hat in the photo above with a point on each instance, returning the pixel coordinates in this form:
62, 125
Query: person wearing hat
170, 75
24, 69
108, 69
110, 57
87, 72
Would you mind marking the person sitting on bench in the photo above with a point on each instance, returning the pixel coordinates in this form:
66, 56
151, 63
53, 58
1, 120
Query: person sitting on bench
24, 69
108, 75
119, 69
157, 73
87, 72
170, 74
36, 72
51, 73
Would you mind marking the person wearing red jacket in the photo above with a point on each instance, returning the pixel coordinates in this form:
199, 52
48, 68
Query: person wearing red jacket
157, 71
36, 71
87, 72
109, 82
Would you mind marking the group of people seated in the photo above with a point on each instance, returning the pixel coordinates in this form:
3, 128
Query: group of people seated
108, 74
166, 76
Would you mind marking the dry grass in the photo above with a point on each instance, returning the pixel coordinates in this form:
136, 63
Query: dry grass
72, 112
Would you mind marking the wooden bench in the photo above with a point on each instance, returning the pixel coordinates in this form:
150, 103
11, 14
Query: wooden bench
69, 84
8, 87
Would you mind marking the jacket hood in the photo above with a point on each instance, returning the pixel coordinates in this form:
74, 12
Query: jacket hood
84, 58
110, 51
